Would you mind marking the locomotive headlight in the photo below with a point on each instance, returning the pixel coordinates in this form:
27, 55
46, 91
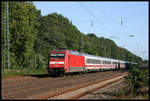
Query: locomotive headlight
51, 62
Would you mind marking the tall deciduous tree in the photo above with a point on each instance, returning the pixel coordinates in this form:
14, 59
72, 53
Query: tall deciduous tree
23, 30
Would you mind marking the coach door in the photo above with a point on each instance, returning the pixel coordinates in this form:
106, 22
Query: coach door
118, 65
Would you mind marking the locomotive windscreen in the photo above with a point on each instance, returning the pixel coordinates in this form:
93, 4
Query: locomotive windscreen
57, 56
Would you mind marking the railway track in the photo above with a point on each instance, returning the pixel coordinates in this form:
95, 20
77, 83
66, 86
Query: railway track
79, 91
35, 87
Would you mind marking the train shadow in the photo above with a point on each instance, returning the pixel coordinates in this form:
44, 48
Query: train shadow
57, 76
43, 76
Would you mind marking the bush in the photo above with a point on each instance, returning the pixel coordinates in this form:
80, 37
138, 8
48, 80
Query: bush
40, 62
136, 79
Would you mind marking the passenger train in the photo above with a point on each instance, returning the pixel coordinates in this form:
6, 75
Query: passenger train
68, 61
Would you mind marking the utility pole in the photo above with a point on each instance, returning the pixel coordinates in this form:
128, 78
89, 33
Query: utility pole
4, 28
81, 43
105, 47
6, 36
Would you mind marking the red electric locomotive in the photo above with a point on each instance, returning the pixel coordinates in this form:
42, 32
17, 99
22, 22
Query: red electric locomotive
65, 61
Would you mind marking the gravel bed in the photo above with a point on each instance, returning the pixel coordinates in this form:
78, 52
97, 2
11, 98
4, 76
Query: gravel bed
26, 87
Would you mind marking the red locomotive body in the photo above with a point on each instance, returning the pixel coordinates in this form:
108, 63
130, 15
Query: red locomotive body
65, 61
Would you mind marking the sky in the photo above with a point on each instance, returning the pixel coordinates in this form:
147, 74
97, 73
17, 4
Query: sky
114, 20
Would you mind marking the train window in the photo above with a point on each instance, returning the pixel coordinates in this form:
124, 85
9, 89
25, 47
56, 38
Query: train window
121, 63
90, 61
114, 62
57, 56
93, 61
53, 56
98, 61
106, 62
87, 60
60, 56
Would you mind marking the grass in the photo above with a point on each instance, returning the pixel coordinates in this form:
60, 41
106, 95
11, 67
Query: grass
126, 94
21, 72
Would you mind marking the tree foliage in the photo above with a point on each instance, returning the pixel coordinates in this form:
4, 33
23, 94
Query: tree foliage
32, 36
23, 30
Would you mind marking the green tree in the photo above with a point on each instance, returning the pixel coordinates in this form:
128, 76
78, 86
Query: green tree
23, 30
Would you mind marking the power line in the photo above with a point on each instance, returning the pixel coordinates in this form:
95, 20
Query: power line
81, 19
105, 15
96, 18
101, 12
